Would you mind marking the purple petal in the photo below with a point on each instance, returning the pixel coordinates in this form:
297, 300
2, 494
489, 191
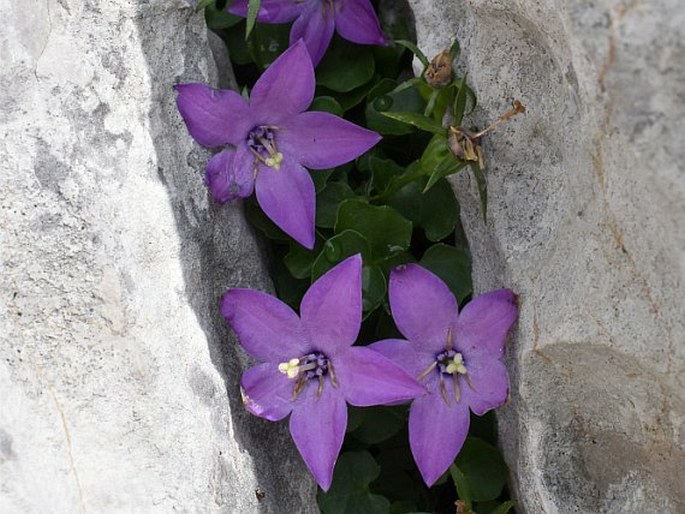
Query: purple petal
226, 180
268, 329
489, 387
331, 310
405, 354
287, 197
368, 378
422, 306
436, 434
356, 21
214, 117
320, 140
315, 28
483, 325
267, 392
317, 426
271, 11
286, 87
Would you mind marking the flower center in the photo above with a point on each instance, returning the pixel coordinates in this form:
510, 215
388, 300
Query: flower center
313, 366
262, 143
449, 363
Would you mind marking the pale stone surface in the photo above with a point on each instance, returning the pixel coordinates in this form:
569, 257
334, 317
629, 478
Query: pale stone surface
118, 378
586, 222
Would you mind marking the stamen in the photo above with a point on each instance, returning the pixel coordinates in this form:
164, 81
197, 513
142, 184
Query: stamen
427, 371
331, 373
261, 141
443, 390
319, 389
455, 386
449, 338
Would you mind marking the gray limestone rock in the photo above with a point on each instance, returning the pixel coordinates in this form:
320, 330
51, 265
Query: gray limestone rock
586, 222
118, 377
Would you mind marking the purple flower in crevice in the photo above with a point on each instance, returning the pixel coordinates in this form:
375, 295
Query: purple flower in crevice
310, 369
266, 143
457, 356
316, 20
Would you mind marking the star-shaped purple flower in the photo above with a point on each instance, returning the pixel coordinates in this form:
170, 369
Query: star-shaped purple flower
310, 368
266, 143
316, 20
456, 356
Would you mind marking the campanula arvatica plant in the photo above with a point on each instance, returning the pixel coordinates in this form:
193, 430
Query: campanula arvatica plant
316, 20
309, 367
457, 356
266, 143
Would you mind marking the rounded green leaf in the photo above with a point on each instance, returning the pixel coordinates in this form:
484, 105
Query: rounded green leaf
328, 201
326, 104
338, 248
387, 231
374, 287
345, 66
452, 265
349, 492
482, 468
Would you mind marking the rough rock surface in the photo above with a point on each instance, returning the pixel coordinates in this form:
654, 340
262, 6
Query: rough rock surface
587, 222
118, 379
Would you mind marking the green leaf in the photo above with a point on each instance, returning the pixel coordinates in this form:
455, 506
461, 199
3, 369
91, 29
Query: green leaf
504, 508
288, 288
326, 104
350, 492
328, 201
460, 102
482, 470
448, 166
237, 46
434, 154
350, 99
417, 120
218, 19
415, 50
202, 4
435, 210
454, 50
256, 216
320, 178
267, 43
337, 248
387, 231
345, 66
374, 287
452, 265
299, 260
384, 96
379, 424
384, 171
253, 7
462, 485
482, 184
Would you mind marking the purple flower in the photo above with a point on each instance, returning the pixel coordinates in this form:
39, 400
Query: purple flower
458, 358
316, 20
265, 143
310, 368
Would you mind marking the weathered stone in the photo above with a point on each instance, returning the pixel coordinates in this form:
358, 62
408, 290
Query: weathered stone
586, 222
118, 378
